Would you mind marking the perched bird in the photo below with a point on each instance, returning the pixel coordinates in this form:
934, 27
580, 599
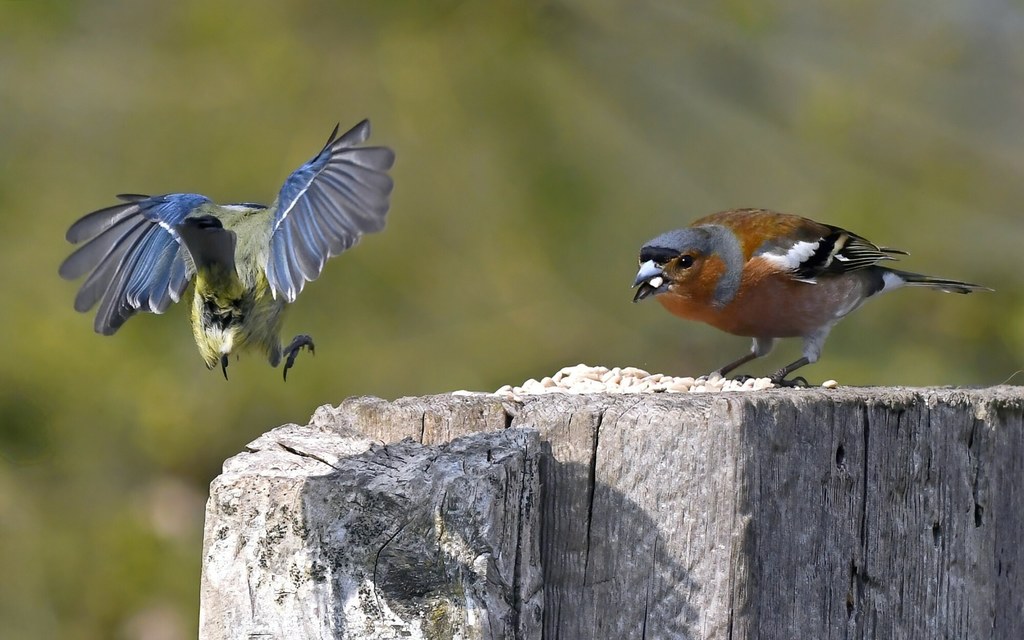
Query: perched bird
768, 275
248, 260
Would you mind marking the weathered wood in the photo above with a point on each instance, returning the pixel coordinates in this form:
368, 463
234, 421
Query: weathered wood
850, 513
322, 533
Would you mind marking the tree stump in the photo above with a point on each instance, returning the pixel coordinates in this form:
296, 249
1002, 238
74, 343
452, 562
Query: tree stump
889, 513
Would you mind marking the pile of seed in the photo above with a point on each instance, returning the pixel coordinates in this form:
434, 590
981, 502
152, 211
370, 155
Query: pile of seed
586, 379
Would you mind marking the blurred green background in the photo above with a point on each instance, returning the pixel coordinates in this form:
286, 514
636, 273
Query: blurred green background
539, 145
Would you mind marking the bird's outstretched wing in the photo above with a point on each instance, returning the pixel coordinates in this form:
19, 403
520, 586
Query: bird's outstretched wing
325, 206
133, 255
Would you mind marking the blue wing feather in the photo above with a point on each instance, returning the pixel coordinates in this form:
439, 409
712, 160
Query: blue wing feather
133, 256
325, 206
278, 271
308, 234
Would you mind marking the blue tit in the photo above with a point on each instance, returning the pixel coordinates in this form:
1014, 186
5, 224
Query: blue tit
248, 261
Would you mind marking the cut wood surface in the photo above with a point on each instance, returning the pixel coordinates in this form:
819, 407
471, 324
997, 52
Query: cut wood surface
806, 513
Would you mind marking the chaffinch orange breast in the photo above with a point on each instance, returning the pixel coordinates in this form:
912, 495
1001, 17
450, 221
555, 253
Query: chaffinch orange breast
769, 275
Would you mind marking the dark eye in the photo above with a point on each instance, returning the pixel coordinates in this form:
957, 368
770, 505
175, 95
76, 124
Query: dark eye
685, 262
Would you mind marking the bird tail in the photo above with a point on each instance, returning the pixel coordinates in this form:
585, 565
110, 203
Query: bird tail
894, 278
211, 246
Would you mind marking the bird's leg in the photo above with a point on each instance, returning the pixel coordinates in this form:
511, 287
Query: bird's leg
724, 371
224, 364
761, 347
813, 343
292, 350
779, 377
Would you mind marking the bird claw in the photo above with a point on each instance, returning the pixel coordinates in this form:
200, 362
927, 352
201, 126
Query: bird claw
224, 364
781, 381
293, 349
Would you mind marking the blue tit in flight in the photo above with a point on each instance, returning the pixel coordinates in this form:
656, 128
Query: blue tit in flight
248, 261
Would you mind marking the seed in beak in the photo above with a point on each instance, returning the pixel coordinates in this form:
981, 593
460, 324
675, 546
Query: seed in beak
655, 282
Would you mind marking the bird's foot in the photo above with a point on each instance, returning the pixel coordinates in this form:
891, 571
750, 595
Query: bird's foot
293, 349
779, 377
224, 364
782, 381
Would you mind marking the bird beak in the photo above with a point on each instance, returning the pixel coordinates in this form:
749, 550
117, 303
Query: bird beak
650, 279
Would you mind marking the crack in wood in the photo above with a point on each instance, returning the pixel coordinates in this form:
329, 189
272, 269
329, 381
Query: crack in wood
650, 585
305, 454
376, 564
591, 487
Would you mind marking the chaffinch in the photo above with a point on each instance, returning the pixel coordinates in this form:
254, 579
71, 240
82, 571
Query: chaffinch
769, 275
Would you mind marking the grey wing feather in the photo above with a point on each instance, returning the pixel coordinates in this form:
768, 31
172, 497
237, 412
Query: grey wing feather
325, 206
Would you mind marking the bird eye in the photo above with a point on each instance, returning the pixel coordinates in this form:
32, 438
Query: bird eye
685, 262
